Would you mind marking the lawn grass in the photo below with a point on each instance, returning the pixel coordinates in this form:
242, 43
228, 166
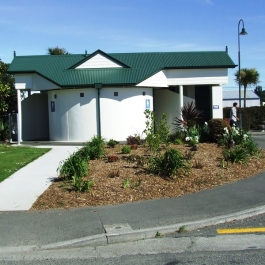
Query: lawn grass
14, 158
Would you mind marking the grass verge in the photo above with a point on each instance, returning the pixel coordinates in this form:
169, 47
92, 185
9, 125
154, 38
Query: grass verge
14, 158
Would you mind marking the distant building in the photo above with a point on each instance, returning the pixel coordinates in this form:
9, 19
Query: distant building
230, 96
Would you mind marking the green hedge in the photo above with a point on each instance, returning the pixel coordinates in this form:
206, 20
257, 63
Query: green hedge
251, 117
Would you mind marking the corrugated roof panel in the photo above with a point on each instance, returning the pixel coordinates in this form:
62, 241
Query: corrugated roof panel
58, 68
234, 94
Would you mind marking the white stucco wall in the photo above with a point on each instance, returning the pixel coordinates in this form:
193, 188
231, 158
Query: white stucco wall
166, 101
157, 80
196, 76
249, 103
123, 115
172, 77
74, 118
33, 82
217, 102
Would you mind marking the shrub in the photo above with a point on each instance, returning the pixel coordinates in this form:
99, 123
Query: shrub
134, 146
126, 149
251, 116
112, 158
131, 140
178, 134
193, 135
237, 154
177, 141
152, 139
75, 165
156, 132
95, 148
216, 128
80, 184
111, 143
190, 116
250, 146
234, 136
162, 129
84, 153
169, 164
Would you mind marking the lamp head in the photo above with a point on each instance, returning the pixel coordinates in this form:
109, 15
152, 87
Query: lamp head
243, 32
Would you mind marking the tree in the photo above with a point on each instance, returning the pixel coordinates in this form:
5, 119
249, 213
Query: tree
8, 94
248, 77
57, 51
258, 90
8, 98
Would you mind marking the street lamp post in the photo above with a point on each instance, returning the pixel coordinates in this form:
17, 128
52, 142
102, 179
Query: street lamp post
243, 32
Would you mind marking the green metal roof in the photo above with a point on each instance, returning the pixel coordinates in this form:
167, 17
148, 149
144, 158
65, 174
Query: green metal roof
136, 66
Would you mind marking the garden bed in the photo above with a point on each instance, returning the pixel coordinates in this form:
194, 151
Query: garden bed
124, 180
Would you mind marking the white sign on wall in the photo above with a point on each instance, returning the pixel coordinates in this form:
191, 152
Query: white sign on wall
52, 106
147, 104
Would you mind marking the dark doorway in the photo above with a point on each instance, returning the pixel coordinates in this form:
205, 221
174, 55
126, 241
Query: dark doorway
203, 101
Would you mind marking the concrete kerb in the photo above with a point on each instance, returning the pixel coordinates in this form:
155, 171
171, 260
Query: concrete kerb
148, 233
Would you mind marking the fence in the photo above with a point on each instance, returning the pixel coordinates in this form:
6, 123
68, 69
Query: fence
8, 127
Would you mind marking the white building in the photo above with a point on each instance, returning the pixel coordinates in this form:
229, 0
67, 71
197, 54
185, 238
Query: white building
231, 96
106, 94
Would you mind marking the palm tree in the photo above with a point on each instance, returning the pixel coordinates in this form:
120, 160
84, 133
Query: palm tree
57, 51
248, 77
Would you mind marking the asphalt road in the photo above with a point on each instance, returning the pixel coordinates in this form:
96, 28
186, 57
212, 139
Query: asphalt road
247, 249
257, 221
217, 258
260, 139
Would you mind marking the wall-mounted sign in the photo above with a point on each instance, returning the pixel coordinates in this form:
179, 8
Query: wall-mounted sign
215, 106
52, 106
147, 104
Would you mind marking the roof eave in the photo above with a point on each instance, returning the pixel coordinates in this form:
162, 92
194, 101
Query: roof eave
34, 72
201, 67
93, 84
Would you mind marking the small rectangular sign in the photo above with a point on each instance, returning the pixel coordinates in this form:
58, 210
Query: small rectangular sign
215, 106
52, 106
147, 104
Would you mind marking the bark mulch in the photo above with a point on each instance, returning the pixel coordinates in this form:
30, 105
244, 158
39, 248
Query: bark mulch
109, 178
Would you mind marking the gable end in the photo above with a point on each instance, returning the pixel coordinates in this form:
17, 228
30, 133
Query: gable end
99, 59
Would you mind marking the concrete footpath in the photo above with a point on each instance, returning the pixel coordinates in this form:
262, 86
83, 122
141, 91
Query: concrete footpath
49, 229
20, 190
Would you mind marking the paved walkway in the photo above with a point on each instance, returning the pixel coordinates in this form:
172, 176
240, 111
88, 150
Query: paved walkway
20, 190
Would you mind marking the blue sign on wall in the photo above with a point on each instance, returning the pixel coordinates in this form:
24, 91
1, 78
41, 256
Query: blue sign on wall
52, 106
147, 104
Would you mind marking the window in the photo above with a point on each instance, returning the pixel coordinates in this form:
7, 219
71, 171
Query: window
82, 95
115, 94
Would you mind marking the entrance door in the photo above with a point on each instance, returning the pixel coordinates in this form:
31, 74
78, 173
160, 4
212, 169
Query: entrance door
203, 101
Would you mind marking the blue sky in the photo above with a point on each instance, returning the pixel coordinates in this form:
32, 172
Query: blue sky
29, 27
